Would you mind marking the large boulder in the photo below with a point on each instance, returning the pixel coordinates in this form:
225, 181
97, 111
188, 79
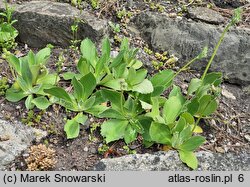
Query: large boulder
15, 138
169, 161
43, 22
186, 39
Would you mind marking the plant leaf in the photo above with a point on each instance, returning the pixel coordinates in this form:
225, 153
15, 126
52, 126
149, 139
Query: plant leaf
28, 102
171, 109
192, 143
89, 83
88, 51
42, 56
111, 113
72, 127
194, 85
116, 98
160, 133
113, 129
59, 93
14, 96
41, 102
145, 87
188, 158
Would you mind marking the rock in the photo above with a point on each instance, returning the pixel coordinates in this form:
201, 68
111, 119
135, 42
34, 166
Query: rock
43, 22
228, 94
169, 161
186, 39
247, 137
230, 3
15, 138
205, 15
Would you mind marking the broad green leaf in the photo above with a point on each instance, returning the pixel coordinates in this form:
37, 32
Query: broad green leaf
194, 85
207, 105
28, 102
136, 77
15, 63
180, 125
59, 93
26, 73
88, 51
42, 56
113, 129
117, 60
185, 134
31, 58
80, 118
163, 78
119, 70
176, 91
171, 109
189, 158
78, 89
116, 98
188, 118
83, 66
41, 102
158, 90
100, 66
160, 133
193, 106
14, 96
130, 134
87, 104
111, 113
146, 123
192, 143
106, 47
89, 83
144, 87
137, 126
72, 127
116, 84
214, 78
49, 79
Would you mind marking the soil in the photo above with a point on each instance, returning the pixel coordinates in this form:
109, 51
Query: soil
225, 131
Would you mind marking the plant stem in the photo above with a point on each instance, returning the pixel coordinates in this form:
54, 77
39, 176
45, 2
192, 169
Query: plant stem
196, 123
215, 50
186, 65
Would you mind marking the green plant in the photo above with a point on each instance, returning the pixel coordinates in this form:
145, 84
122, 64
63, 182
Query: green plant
3, 85
115, 27
95, 4
32, 118
133, 102
31, 77
128, 150
7, 32
74, 29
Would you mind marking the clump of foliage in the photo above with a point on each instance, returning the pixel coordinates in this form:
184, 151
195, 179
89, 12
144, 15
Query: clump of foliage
119, 89
7, 32
3, 85
31, 77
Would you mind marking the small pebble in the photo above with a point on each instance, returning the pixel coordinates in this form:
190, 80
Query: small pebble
247, 137
86, 149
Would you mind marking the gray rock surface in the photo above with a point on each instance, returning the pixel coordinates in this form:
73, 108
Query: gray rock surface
14, 138
186, 39
206, 15
169, 161
43, 22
